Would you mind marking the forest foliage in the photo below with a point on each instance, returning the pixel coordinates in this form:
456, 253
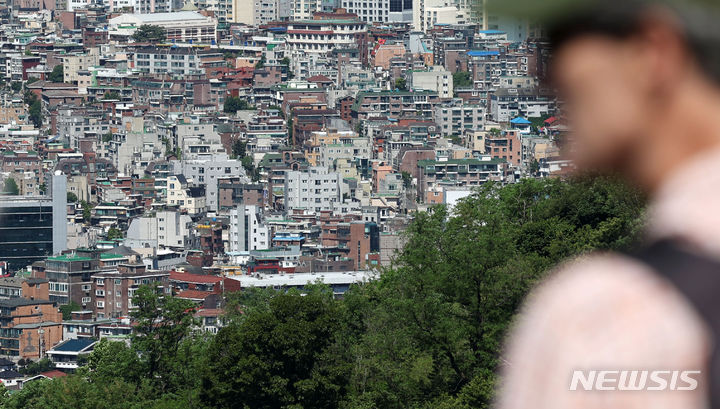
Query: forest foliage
426, 334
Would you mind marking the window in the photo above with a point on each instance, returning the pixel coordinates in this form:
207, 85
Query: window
86, 300
101, 304
100, 293
100, 281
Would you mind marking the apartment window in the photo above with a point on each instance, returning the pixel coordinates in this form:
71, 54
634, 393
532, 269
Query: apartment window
86, 300
100, 281
101, 304
100, 293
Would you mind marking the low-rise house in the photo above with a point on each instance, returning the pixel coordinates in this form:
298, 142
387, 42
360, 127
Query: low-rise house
66, 355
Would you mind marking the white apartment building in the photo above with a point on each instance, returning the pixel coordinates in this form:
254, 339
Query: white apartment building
438, 80
257, 12
248, 230
369, 11
455, 118
304, 9
190, 199
207, 172
180, 61
180, 26
428, 13
322, 36
79, 62
316, 190
166, 229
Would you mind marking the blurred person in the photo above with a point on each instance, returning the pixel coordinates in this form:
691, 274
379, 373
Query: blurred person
641, 85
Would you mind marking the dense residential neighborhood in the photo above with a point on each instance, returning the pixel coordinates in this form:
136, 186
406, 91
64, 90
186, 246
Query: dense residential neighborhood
203, 149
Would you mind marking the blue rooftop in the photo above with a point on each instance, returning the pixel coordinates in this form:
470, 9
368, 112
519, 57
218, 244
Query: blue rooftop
75, 345
491, 32
482, 53
288, 238
520, 121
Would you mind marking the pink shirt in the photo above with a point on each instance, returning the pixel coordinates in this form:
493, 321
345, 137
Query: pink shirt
609, 312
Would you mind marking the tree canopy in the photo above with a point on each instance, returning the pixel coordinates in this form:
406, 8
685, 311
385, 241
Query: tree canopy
11, 187
462, 79
149, 33
57, 74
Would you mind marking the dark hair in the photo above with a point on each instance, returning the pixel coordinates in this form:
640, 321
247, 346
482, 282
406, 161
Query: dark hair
620, 19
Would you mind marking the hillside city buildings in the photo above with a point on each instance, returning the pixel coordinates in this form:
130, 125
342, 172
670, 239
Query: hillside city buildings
264, 143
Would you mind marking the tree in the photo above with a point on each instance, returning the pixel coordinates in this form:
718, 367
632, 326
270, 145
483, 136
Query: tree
16, 86
67, 309
34, 108
11, 187
407, 179
162, 323
462, 79
400, 84
57, 74
260, 63
111, 95
278, 356
239, 148
34, 368
234, 104
430, 329
149, 33
86, 211
114, 234
71, 197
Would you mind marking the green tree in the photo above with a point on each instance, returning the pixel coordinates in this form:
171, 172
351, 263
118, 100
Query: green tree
260, 63
86, 211
71, 197
16, 86
114, 233
67, 309
34, 108
162, 324
401, 84
239, 148
149, 33
407, 179
234, 104
111, 95
431, 328
57, 74
279, 356
11, 187
34, 368
462, 79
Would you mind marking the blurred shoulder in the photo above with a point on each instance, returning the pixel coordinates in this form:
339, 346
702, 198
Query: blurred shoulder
614, 299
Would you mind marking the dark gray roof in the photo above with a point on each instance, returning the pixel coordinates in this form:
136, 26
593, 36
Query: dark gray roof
19, 302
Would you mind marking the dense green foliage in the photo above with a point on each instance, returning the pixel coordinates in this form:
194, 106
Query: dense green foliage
114, 233
68, 308
234, 104
57, 74
149, 33
427, 334
10, 187
462, 79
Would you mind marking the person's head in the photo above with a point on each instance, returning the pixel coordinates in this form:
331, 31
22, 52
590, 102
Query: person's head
625, 68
